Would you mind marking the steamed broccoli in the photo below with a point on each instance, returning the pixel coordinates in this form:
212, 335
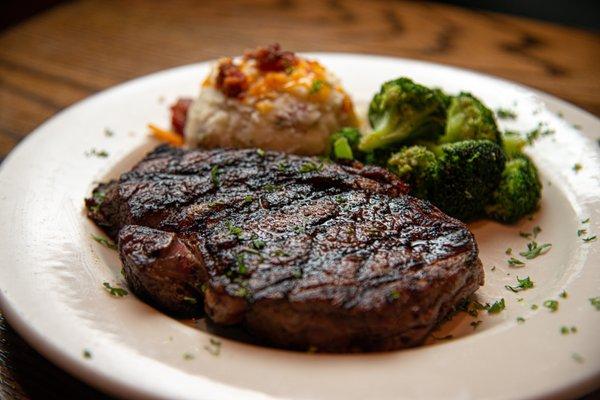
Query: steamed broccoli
468, 118
469, 172
513, 144
403, 111
459, 178
417, 166
518, 193
343, 144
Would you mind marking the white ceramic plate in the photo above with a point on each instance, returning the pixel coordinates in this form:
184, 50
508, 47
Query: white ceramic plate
51, 280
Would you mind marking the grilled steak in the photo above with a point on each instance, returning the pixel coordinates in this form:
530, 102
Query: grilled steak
298, 252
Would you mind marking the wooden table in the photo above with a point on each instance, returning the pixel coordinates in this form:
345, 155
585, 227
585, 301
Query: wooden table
69, 52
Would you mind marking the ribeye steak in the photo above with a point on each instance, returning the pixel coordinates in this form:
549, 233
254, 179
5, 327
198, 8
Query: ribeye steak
299, 252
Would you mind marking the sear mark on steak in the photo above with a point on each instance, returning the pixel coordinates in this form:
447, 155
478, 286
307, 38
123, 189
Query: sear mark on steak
299, 252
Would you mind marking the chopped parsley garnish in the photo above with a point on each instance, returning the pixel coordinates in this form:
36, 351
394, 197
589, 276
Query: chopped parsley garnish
535, 134
282, 167
258, 244
581, 232
595, 302
297, 273
97, 153
310, 167
524, 284
214, 347
105, 242
114, 291
504, 113
552, 305
577, 167
260, 152
394, 295
108, 132
87, 354
497, 307
98, 196
525, 235
188, 356
214, 175
470, 306
242, 292
520, 320
234, 230
534, 250
563, 294
340, 199
299, 229
515, 262
564, 330
589, 238
585, 221
317, 84
248, 198
534, 306
578, 358
508, 251
475, 324
189, 300
240, 264
269, 187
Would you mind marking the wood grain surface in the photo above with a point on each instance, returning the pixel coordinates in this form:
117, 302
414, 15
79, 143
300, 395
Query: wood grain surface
76, 49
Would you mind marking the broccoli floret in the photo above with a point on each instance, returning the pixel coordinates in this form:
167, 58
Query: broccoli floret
417, 166
469, 171
343, 144
404, 111
518, 193
513, 144
468, 119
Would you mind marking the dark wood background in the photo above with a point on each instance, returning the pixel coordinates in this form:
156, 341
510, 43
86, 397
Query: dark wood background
68, 52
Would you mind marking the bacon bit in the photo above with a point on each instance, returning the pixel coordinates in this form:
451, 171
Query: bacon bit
230, 79
179, 114
166, 136
272, 58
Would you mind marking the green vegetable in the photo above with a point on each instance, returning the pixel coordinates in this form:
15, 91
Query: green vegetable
534, 250
520, 320
468, 119
496, 307
234, 230
518, 193
515, 262
468, 174
403, 111
105, 242
589, 239
310, 167
552, 305
343, 144
595, 302
214, 175
524, 284
114, 291
505, 113
457, 177
513, 144
418, 167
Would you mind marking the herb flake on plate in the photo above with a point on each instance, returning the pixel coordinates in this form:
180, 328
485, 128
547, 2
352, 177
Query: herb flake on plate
114, 290
106, 242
